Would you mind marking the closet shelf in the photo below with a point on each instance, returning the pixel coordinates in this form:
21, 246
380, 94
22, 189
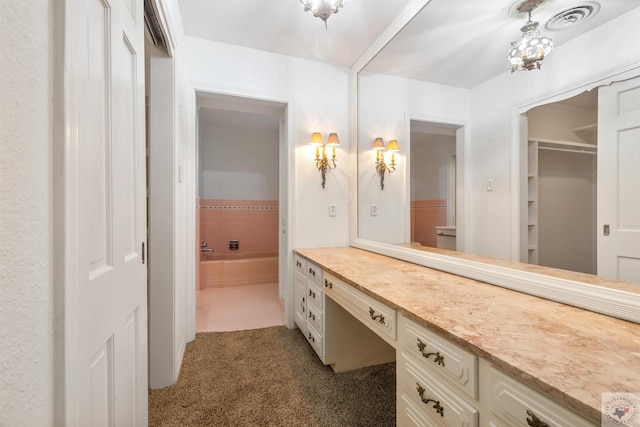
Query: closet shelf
560, 145
587, 133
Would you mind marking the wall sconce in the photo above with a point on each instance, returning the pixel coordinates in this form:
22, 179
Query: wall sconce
322, 162
381, 166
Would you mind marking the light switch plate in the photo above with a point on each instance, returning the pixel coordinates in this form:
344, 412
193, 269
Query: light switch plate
374, 210
332, 209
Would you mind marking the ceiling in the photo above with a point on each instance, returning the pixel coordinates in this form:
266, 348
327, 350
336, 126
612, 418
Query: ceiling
282, 26
453, 42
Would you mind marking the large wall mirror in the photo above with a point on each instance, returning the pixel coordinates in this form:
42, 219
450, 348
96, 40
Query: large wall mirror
506, 167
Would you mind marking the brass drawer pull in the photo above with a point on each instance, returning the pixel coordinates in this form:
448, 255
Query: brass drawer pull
312, 272
439, 359
302, 304
535, 421
312, 294
311, 337
436, 403
328, 284
298, 263
312, 315
374, 316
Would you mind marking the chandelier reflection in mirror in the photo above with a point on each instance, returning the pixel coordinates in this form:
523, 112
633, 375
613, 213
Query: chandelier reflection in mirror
528, 52
322, 9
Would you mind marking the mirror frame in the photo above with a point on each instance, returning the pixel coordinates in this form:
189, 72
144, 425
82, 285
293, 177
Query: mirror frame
600, 299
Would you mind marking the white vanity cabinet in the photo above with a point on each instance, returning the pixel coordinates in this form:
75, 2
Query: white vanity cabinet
515, 404
437, 381
356, 316
309, 312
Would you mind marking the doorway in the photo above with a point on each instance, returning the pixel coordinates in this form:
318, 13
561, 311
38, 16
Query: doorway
562, 184
238, 213
433, 184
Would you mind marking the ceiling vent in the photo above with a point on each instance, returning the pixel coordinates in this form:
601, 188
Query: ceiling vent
572, 17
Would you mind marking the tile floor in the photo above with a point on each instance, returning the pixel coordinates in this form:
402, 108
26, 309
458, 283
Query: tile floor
238, 308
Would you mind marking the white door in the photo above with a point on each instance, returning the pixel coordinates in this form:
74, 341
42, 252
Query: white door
105, 308
619, 180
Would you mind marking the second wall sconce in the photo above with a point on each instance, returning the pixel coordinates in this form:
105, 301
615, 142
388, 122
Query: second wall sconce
322, 162
381, 166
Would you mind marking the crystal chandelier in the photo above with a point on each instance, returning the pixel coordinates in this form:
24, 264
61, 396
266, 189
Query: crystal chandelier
528, 52
322, 9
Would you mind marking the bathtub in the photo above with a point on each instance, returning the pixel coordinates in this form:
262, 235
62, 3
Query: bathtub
226, 270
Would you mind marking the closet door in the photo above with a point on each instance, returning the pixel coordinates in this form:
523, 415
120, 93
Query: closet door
619, 180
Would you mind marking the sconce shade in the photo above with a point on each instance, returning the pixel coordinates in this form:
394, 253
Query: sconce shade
316, 139
378, 144
333, 140
393, 146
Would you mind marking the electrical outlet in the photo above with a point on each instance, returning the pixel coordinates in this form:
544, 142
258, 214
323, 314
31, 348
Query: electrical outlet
332, 209
374, 210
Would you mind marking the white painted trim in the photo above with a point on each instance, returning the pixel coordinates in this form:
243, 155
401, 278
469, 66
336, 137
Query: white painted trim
403, 18
166, 26
518, 158
285, 284
461, 149
612, 302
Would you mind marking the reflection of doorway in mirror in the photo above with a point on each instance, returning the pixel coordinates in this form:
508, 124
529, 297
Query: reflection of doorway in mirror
561, 184
433, 184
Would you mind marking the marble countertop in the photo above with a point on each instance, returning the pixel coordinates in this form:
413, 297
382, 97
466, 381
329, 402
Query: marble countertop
570, 354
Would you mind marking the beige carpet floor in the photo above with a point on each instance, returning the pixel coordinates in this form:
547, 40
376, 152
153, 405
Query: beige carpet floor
270, 377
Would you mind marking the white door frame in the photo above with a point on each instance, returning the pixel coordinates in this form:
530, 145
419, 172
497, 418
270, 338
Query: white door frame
286, 197
519, 145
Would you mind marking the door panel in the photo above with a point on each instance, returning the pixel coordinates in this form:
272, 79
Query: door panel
619, 181
106, 290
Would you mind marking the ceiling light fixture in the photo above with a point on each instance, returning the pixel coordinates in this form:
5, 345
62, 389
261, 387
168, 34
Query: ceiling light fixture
322, 9
528, 52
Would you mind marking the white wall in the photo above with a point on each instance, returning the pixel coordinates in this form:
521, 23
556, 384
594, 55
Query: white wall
316, 95
26, 213
430, 156
573, 64
385, 106
238, 164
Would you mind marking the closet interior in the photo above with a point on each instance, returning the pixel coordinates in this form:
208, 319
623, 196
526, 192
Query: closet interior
562, 184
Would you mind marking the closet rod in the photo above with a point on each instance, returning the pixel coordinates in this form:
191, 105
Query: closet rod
568, 150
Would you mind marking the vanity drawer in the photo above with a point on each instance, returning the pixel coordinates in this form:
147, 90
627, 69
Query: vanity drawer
436, 402
314, 317
315, 339
300, 303
314, 295
374, 314
314, 273
448, 362
514, 403
408, 415
301, 265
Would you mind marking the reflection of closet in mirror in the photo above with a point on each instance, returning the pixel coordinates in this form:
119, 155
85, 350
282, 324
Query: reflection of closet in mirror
433, 184
561, 178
